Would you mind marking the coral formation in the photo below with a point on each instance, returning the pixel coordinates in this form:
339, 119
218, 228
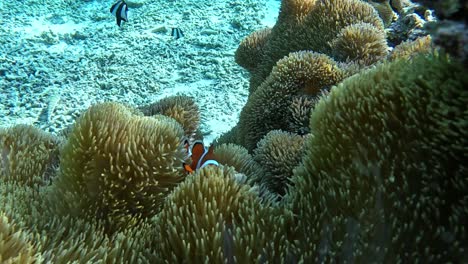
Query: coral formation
210, 217
377, 165
66, 239
14, 245
384, 174
399, 5
278, 153
239, 158
306, 25
250, 50
180, 107
403, 19
384, 9
361, 43
449, 30
299, 74
28, 155
453, 37
407, 49
299, 112
117, 165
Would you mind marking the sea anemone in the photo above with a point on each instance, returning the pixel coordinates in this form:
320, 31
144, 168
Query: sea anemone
278, 153
384, 174
28, 155
210, 217
116, 165
268, 108
180, 107
361, 43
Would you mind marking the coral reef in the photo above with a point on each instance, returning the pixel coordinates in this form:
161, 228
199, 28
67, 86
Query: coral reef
410, 22
278, 153
250, 50
399, 5
28, 155
303, 25
453, 37
384, 9
451, 30
212, 218
299, 111
117, 165
407, 49
361, 43
384, 178
66, 239
14, 244
390, 10
180, 107
299, 74
371, 158
239, 158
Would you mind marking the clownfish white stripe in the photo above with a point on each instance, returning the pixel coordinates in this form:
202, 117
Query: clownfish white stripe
199, 164
209, 162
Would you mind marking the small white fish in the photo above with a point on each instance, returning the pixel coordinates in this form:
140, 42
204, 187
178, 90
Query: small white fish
119, 10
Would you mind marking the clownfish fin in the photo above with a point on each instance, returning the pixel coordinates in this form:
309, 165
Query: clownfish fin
187, 168
186, 144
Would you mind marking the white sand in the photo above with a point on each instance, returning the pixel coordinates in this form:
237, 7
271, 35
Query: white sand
60, 59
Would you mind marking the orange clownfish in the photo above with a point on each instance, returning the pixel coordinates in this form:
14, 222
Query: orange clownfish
201, 156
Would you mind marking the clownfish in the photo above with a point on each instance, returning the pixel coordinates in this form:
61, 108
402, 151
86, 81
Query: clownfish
201, 156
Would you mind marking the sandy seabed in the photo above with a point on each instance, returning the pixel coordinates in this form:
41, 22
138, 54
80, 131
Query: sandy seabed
59, 57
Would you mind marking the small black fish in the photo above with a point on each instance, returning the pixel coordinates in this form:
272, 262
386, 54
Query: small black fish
177, 33
119, 10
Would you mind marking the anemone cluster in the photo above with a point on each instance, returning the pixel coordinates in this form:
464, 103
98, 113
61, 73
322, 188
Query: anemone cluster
383, 174
343, 153
308, 26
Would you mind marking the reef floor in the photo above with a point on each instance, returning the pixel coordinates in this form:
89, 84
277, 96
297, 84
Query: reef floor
59, 57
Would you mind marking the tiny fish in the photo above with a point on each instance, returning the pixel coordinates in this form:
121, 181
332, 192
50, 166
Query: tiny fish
119, 10
177, 33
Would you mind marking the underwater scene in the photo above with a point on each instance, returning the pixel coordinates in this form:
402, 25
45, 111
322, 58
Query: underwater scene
234, 131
